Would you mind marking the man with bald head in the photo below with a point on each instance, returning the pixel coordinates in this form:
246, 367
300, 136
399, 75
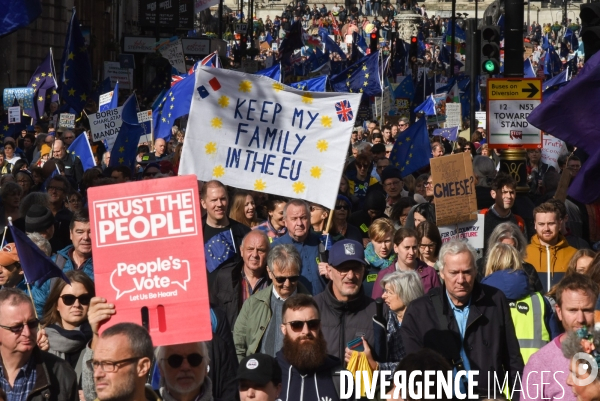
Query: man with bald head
183, 370
160, 148
236, 282
73, 166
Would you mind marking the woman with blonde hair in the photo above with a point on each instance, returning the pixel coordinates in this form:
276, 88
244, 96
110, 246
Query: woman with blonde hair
503, 270
243, 209
379, 252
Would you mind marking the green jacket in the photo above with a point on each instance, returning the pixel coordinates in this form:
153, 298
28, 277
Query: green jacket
253, 320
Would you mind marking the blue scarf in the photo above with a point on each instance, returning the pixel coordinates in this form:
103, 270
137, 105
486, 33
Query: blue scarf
375, 261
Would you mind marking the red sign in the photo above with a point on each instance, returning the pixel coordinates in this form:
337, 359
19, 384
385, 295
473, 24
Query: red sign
149, 259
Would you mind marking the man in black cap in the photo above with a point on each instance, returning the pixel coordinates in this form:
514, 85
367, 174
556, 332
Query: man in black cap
259, 377
39, 219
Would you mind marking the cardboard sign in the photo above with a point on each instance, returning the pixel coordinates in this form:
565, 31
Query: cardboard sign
454, 189
149, 258
106, 125
471, 231
66, 120
14, 115
552, 149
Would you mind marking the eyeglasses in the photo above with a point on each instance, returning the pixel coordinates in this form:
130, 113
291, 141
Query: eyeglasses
341, 207
467, 148
150, 173
393, 184
176, 360
18, 328
428, 183
69, 299
357, 269
57, 189
69, 137
283, 279
108, 366
298, 325
401, 125
362, 166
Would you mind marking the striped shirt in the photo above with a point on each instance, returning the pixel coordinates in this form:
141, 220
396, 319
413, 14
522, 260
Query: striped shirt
248, 291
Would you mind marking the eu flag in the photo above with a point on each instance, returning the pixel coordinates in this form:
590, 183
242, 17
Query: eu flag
76, 78
43, 82
528, 71
124, 149
412, 149
405, 89
37, 267
550, 86
330, 45
273, 72
293, 40
450, 134
113, 103
361, 77
219, 249
427, 107
312, 85
572, 115
18, 14
82, 149
175, 103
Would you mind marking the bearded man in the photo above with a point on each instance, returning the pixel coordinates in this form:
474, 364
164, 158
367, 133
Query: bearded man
307, 370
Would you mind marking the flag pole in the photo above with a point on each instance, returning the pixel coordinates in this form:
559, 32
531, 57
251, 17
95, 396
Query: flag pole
4, 235
24, 276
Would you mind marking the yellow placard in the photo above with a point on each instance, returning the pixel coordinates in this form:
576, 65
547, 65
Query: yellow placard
514, 89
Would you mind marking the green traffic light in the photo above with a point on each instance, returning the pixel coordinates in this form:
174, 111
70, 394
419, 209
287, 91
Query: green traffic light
489, 66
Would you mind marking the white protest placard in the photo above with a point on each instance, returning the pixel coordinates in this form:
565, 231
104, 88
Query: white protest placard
481, 117
144, 116
113, 70
105, 125
264, 136
14, 115
173, 52
472, 231
66, 120
105, 99
552, 149
453, 115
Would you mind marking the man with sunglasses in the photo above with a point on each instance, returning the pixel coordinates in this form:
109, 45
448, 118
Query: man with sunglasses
26, 372
403, 124
307, 368
257, 328
184, 370
346, 311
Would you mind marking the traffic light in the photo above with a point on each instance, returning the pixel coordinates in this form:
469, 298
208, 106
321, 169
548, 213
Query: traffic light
374, 41
490, 50
413, 52
243, 44
590, 32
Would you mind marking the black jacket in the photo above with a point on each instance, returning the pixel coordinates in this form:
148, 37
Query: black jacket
317, 385
225, 290
490, 341
342, 322
55, 380
73, 169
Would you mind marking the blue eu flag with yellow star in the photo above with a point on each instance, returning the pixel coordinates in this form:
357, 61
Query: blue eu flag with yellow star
124, 149
174, 104
361, 77
43, 82
76, 77
81, 148
219, 249
405, 89
412, 149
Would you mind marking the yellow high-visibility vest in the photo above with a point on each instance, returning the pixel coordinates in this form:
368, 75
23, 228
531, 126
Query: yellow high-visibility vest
528, 318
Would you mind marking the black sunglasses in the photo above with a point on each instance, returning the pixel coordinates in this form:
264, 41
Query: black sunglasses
32, 324
69, 299
298, 325
150, 174
176, 360
282, 280
341, 207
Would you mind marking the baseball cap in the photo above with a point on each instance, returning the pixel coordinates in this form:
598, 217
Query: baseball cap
260, 369
346, 250
9, 255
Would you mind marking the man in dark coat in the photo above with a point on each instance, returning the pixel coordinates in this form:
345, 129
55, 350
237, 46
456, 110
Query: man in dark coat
476, 329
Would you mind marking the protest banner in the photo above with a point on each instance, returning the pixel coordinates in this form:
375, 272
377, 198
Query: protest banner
481, 118
147, 261
14, 115
265, 136
453, 116
454, 189
552, 149
66, 120
173, 51
113, 70
106, 125
471, 231
24, 97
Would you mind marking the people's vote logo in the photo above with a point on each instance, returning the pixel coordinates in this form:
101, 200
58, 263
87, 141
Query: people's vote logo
159, 276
